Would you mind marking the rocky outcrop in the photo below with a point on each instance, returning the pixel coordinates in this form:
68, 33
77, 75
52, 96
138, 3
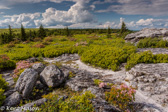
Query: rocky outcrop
145, 33
52, 76
154, 50
82, 80
13, 99
32, 60
26, 82
151, 80
39, 67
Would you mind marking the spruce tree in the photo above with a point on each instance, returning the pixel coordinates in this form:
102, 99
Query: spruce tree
23, 33
41, 32
67, 32
10, 34
109, 32
123, 28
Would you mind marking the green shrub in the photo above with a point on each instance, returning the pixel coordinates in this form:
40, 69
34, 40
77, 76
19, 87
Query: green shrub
3, 83
145, 57
2, 97
152, 43
107, 57
3, 86
5, 63
75, 103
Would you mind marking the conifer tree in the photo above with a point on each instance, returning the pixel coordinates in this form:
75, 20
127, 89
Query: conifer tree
10, 34
67, 32
109, 32
23, 33
123, 28
41, 32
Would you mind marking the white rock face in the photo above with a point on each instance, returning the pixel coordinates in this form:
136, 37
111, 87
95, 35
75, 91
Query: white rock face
146, 33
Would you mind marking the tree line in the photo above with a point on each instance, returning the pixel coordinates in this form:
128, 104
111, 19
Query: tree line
41, 33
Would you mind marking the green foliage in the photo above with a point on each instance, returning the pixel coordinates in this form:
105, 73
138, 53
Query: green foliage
5, 63
108, 32
67, 32
23, 33
145, 57
152, 43
123, 28
3, 83
41, 32
121, 97
97, 81
108, 56
2, 97
3, 86
75, 103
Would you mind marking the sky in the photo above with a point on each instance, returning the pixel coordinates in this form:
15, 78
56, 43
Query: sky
137, 14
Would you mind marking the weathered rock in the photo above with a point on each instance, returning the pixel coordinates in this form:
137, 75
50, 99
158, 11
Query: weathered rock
99, 92
39, 67
154, 50
101, 105
26, 82
32, 60
145, 33
8, 78
151, 80
52, 76
37, 103
13, 99
82, 80
9, 92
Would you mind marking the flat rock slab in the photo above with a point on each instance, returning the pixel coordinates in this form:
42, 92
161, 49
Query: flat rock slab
151, 80
26, 82
154, 50
83, 80
146, 33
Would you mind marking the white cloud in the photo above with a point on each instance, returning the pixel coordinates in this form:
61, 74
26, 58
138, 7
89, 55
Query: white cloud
78, 13
139, 7
16, 20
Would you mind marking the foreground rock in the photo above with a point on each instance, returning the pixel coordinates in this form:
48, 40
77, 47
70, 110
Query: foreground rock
154, 50
26, 82
145, 33
13, 100
52, 76
39, 67
152, 81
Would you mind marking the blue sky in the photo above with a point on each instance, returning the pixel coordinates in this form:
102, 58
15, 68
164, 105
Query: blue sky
137, 14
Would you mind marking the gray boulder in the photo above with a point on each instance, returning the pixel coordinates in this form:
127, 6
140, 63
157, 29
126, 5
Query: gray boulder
13, 100
39, 67
145, 33
52, 76
26, 82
